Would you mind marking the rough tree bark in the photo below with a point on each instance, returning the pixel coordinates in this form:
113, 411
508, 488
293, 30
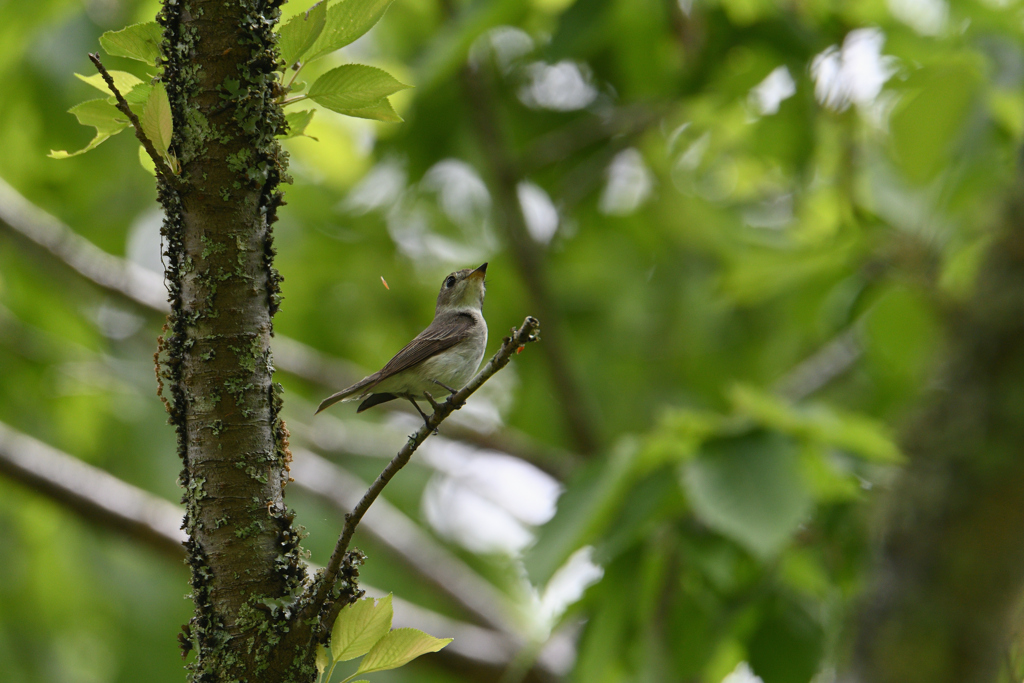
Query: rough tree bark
951, 566
244, 554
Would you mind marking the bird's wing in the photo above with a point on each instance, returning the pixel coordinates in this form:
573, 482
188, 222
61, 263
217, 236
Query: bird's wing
443, 333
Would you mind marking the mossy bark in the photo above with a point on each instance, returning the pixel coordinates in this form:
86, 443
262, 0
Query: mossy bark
951, 569
219, 66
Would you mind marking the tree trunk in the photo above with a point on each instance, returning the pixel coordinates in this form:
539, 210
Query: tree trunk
220, 58
952, 561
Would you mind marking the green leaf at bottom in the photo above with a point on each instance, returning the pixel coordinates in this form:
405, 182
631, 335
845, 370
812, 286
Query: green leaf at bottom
380, 111
399, 647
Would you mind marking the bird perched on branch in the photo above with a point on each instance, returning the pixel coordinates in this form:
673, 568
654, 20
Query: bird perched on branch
445, 355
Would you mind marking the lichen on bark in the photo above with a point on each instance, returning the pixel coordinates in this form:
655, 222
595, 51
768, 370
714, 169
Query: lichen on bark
219, 70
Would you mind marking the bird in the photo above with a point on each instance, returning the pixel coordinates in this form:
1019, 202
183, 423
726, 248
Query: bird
445, 354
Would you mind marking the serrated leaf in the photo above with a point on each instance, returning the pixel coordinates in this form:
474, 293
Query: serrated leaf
138, 41
359, 626
381, 111
354, 86
749, 488
398, 648
301, 31
297, 122
123, 81
323, 658
156, 119
99, 114
346, 22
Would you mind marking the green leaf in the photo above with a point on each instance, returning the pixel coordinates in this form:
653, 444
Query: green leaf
354, 86
146, 161
398, 648
99, 114
381, 111
297, 122
138, 41
346, 22
749, 488
323, 658
932, 113
123, 81
301, 31
851, 432
156, 119
359, 626
138, 94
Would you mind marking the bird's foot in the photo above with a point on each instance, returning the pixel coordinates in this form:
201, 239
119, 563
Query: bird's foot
431, 401
445, 386
426, 419
434, 405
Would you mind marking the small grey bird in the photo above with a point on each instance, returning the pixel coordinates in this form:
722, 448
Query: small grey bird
445, 355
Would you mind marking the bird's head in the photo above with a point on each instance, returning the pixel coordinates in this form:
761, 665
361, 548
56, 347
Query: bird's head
462, 289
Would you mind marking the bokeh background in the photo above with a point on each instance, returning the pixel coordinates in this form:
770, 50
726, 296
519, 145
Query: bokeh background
737, 221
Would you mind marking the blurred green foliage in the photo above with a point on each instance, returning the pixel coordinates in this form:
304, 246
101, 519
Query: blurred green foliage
749, 214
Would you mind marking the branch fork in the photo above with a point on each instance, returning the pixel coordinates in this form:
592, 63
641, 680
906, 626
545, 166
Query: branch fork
122, 106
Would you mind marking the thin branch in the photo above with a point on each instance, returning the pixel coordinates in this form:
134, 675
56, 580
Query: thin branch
122, 106
528, 257
117, 505
822, 367
527, 333
130, 280
145, 288
91, 492
403, 537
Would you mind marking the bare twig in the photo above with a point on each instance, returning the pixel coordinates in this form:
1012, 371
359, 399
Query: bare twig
393, 529
93, 493
122, 106
527, 333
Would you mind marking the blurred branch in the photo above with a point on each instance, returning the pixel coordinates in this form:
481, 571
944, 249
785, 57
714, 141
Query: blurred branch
627, 121
822, 367
117, 505
324, 584
390, 527
528, 257
142, 286
950, 570
132, 281
96, 495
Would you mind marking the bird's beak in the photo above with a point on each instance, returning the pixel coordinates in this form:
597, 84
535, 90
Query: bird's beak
479, 272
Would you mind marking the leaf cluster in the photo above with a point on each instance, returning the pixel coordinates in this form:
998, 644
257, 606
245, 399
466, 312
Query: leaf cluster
363, 629
352, 89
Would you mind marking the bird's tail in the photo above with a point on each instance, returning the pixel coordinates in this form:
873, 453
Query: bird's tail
348, 392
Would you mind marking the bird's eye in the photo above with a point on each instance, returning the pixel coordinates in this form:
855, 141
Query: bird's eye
450, 282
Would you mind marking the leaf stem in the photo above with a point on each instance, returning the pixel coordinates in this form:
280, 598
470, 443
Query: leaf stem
285, 103
295, 75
